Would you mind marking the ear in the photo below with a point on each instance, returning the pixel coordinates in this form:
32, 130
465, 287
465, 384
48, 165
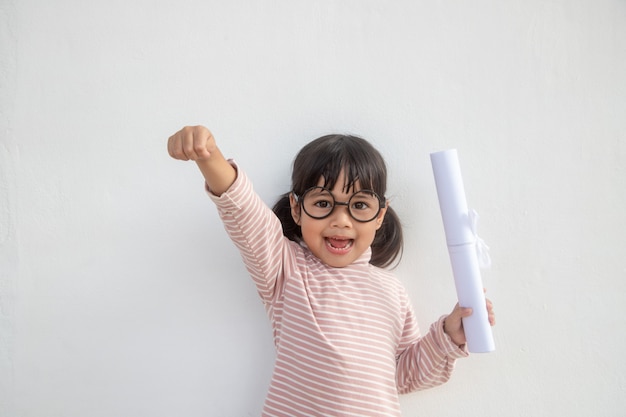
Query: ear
295, 209
381, 216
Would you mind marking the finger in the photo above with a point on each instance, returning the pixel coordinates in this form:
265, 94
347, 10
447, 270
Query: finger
169, 147
200, 141
490, 313
186, 143
461, 312
174, 147
466, 312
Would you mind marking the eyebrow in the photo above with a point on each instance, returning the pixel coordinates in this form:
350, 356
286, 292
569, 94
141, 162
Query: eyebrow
350, 185
349, 194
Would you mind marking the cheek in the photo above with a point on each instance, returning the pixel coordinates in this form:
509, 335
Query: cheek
369, 233
309, 229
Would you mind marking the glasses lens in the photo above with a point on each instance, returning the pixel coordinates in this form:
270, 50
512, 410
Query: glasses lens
318, 202
364, 205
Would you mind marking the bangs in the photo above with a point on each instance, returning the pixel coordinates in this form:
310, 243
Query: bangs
352, 173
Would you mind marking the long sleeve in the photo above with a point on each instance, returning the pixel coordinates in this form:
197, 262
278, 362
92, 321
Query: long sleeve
256, 232
427, 361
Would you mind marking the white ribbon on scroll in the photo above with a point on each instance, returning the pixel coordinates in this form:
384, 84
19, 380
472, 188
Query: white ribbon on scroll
482, 250
467, 251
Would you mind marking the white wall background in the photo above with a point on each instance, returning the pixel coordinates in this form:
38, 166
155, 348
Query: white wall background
120, 294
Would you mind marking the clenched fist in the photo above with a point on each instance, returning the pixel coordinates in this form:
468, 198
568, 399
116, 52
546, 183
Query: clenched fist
191, 143
196, 143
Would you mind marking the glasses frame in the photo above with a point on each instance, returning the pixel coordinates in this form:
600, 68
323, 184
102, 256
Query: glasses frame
382, 203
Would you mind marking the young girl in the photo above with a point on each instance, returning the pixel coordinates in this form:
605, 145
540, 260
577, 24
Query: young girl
346, 336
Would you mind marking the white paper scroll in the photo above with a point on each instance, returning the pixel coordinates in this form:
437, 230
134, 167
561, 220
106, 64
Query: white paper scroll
463, 245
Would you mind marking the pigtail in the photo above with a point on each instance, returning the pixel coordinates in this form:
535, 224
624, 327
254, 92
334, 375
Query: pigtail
282, 209
388, 242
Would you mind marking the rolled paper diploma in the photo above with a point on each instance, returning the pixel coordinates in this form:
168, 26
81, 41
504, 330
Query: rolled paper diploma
462, 243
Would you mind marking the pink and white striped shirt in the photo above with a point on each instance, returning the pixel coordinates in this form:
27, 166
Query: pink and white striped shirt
347, 339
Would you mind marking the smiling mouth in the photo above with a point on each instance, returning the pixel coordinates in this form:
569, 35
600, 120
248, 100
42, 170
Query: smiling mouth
339, 246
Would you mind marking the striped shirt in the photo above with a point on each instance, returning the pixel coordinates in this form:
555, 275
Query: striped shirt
347, 340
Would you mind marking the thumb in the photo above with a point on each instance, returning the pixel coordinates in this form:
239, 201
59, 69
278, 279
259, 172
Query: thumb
460, 312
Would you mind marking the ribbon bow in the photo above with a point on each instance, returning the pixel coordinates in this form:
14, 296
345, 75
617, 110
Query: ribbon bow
482, 250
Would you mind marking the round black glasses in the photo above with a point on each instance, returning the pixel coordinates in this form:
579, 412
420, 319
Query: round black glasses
363, 206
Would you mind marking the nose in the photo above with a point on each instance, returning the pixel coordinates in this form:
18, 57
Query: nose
340, 217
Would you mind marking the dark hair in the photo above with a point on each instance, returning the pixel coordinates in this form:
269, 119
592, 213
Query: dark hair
325, 158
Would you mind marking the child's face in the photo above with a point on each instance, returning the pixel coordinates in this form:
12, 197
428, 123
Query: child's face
337, 240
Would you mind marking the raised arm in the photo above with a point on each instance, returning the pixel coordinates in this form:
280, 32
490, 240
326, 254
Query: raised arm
196, 143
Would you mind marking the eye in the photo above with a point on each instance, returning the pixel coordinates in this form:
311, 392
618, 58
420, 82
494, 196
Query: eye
322, 203
360, 205
364, 201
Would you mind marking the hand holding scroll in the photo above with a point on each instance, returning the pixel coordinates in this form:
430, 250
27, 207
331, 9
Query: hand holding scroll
453, 324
